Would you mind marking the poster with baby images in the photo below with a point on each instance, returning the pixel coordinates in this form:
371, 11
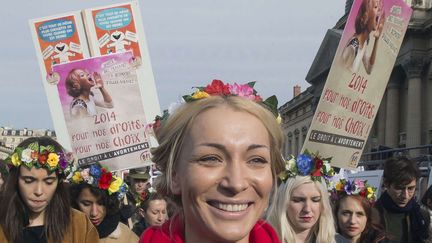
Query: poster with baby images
357, 80
59, 39
101, 104
77, 35
118, 28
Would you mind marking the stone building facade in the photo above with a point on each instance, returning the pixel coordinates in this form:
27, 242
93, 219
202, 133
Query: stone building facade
404, 119
10, 138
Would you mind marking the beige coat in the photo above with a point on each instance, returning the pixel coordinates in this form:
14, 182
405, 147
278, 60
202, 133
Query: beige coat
121, 234
81, 230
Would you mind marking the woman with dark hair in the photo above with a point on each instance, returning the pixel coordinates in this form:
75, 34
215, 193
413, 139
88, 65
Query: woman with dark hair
35, 204
153, 212
356, 220
3, 174
97, 192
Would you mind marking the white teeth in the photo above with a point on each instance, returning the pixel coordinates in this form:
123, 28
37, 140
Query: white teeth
231, 207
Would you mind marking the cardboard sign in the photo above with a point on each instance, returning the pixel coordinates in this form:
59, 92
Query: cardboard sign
118, 28
357, 80
373, 177
105, 122
58, 39
112, 134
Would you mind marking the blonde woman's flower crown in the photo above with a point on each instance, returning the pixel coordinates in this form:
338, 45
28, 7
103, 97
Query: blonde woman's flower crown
219, 88
308, 164
353, 187
39, 156
100, 177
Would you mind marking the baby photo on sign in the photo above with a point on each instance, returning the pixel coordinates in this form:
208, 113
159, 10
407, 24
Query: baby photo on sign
81, 85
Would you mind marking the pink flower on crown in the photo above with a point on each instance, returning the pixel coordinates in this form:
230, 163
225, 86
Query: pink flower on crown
359, 184
243, 90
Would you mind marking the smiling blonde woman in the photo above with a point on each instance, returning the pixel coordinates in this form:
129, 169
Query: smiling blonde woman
219, 154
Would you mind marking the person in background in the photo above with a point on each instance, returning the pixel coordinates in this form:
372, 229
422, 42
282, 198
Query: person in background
356, 219
97, 192
302, 211
139, 180
426, 202
219, 154
3, 174
153, 212
400, 214
35, 204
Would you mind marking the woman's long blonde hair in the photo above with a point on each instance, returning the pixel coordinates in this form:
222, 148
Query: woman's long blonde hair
323, 231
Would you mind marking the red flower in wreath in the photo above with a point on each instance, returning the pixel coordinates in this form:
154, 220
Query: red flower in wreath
363, 193
105, 180
43, 157
318, 164
217, 87
258, 98
317, 172
143, 195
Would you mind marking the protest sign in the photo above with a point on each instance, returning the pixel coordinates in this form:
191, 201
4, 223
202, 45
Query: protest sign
58, 39
118, 28
357, 80
374, 178
105, 122
111, 132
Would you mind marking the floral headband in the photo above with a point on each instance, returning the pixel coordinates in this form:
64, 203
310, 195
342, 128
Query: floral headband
307, 164
354, 187
144, 196
41, 157
99, 177
219, 88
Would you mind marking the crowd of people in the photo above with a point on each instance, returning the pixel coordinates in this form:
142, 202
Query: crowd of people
223, 179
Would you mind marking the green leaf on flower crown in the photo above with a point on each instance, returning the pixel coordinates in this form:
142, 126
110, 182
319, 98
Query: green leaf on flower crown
50, 148
187, 98
252, 84
283, 175
200, 88
34, 146
19, 151
30, 165
272, 103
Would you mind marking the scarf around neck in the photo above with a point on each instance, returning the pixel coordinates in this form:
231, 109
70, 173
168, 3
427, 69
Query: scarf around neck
418, 225
108, 225
172, 231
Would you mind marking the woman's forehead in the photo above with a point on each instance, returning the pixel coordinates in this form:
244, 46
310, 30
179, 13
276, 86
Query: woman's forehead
36, 172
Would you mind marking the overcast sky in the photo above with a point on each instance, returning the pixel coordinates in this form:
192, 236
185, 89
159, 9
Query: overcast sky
190, 42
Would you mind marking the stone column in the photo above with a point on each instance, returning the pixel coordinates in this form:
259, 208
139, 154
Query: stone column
413, 70
392, 116
428, 107
381, 122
